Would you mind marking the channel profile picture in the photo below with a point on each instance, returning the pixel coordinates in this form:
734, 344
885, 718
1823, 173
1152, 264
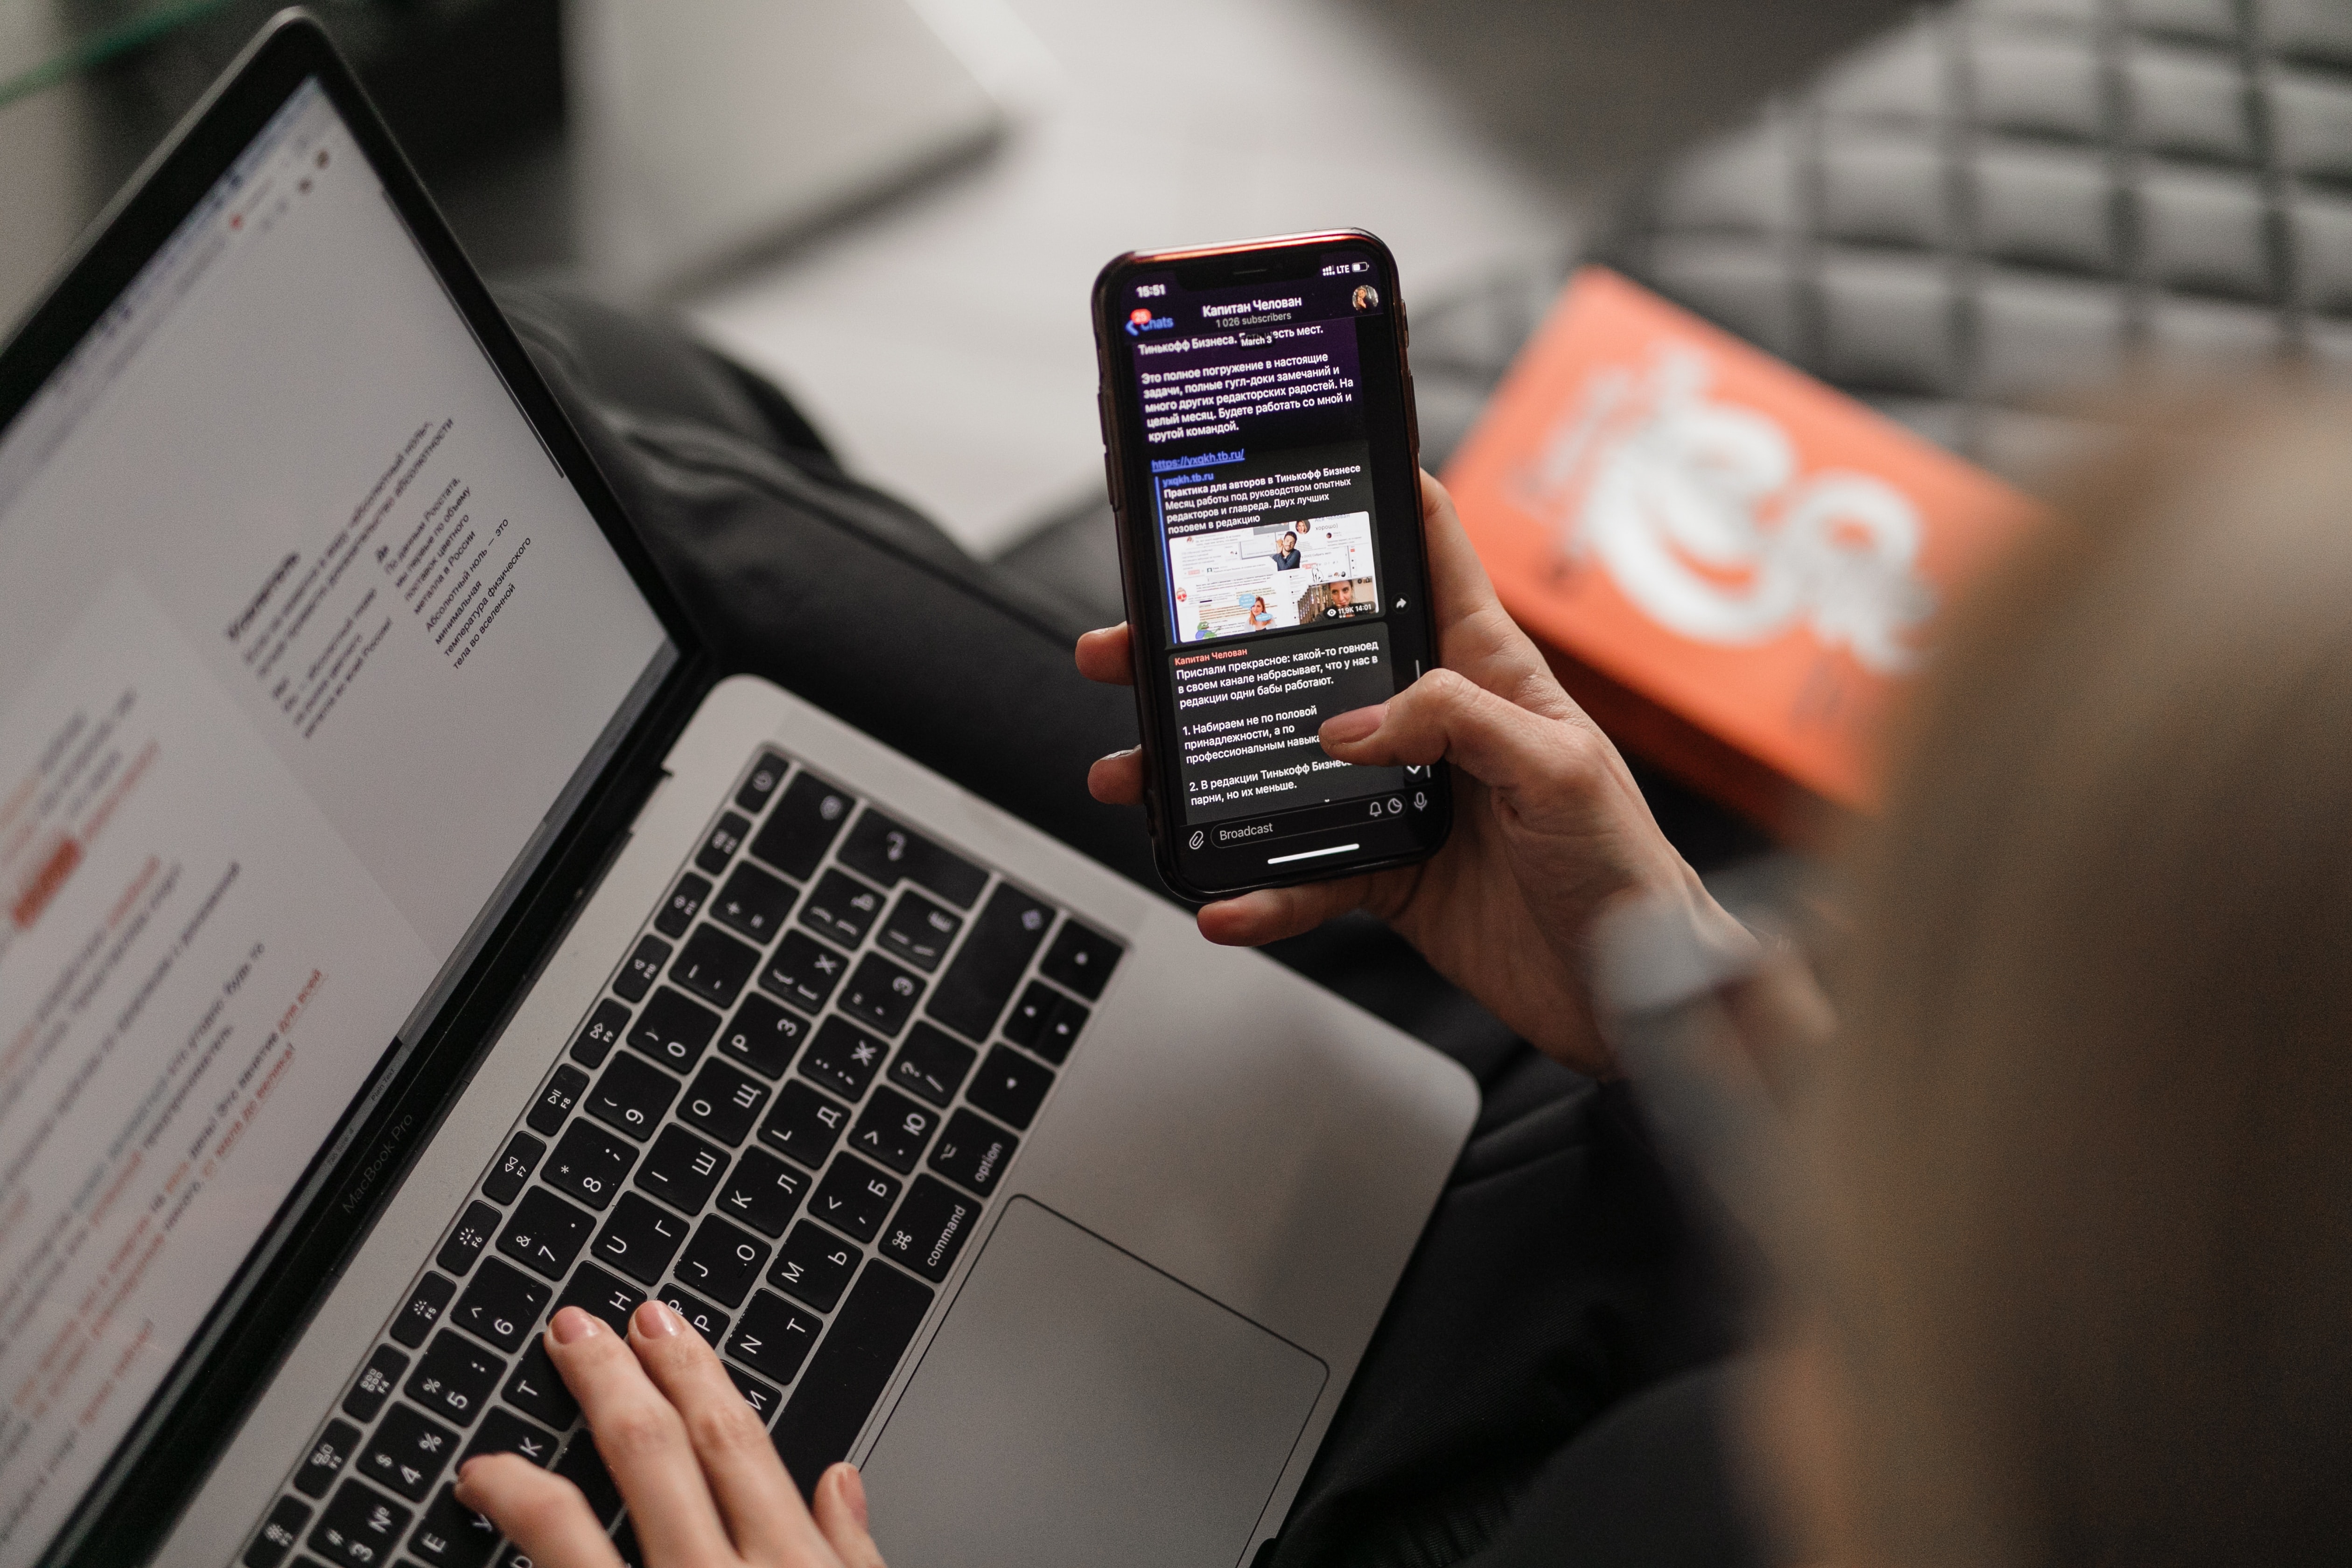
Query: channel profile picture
1367, 297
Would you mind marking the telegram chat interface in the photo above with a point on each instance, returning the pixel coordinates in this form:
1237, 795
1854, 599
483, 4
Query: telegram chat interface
1260, 491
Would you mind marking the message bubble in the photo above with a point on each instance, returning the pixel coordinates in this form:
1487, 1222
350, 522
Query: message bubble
1247, 713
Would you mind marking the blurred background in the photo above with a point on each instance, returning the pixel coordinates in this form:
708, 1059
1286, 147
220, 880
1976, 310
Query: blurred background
896, 206
1972, 216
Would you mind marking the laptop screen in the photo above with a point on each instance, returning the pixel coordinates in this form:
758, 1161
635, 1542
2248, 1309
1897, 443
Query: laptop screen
306, 643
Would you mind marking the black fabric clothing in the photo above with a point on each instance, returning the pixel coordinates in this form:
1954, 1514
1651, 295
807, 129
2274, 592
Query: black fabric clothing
1537, 1392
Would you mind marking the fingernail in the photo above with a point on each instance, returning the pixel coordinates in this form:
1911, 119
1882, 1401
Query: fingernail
853, 1492
465, 1481
570, 1326
1346, 728
657, 1321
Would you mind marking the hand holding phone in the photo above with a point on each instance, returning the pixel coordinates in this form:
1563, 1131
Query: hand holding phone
1262, 452
1550, 829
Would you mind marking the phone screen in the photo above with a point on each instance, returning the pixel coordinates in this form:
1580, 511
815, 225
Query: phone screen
1272, 485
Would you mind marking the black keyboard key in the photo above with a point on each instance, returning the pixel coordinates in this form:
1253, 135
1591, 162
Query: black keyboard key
681, 1169
409, 1453
500, 1306
643, 968
714, 966
803, 971
1061, 1031
920, 931
1030, 1014
455, 1379
631, 1096
278, 1533
451, 1535
327, 1459
639, 1239
603, 1029
473, 1232
504, 1432
805, 1124
625, 1546
765, 1036
774, 1337
1009, 1087
929, 1228
584, 1468
886, 851
972, 993
674, 1030
754, 903
855, 1197
536, 1390
813, 1265
375, 1383
841, 907
588, 1163
723, 1102
415, 1320
843, 1057
701, 1316
762, 1398
881, 994
504, 1183
766, 774
763, 1193
545, 1234
721, 1260
974, 1151
807, 818
555, 1102
361, 1528
723, 841
932, 1064
849, 1372
602, 1295
1081, 959
686, 902
894, 1129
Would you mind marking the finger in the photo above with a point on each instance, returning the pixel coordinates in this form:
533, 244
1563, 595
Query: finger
543, 1514
1445, 717
759, 1503
1475, 634
1117, 779
1273, 913
841, 1514
643, 1441
1107, 655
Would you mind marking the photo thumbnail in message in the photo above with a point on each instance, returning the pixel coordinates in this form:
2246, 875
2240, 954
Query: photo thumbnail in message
1238, 582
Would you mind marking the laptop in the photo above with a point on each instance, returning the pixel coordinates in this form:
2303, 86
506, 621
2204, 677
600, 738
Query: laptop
406, 934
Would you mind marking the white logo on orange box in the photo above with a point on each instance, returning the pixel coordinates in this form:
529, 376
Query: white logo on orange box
1697, 510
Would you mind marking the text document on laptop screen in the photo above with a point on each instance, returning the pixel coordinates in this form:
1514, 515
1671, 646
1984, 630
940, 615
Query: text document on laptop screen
302, 636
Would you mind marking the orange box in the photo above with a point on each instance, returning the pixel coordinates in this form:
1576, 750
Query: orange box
1732, 566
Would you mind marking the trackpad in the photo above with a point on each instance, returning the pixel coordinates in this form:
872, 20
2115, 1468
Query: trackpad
1080, 1408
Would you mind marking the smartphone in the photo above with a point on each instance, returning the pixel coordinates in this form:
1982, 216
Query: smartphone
1263, 459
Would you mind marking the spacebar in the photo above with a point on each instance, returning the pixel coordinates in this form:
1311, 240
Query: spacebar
847, 1373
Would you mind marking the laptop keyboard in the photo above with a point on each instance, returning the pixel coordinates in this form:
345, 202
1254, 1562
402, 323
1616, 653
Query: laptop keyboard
785, 1117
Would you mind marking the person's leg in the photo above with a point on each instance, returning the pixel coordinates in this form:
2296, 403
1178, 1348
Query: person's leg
1560, 1274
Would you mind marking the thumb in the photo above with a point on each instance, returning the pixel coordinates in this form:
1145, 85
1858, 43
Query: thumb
1445, 717
841, 1515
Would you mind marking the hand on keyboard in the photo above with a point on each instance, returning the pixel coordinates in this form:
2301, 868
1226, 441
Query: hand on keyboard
700, 1477
1549, 824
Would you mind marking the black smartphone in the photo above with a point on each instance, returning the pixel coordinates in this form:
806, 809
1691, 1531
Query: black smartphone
1264, 460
